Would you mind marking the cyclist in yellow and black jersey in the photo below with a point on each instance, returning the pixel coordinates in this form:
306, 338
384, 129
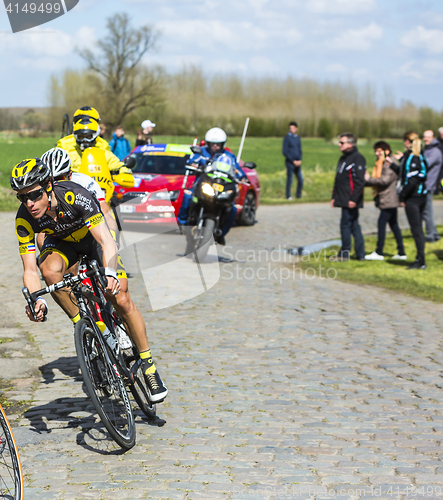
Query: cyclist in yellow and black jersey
71, 218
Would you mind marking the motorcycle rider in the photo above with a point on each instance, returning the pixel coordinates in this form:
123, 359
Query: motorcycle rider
69, 143
214, 148
86, 134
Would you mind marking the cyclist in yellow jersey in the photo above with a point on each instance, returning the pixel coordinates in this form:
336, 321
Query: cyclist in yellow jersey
74, 225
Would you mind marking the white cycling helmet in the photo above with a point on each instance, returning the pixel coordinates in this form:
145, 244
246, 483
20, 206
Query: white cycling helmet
216, 135
58, 160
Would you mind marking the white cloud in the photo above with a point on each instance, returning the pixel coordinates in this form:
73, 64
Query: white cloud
45, 49
257, 4
218, 36
37, 42
428, 71
86, 38
340, 7
422, 38
409, 69
356, 39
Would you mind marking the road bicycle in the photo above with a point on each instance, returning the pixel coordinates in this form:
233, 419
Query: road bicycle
11, 474
108, 359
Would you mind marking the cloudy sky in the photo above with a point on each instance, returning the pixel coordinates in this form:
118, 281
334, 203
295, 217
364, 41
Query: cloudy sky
397, 45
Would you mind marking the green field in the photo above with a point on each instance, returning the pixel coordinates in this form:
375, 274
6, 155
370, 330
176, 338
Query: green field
319, 162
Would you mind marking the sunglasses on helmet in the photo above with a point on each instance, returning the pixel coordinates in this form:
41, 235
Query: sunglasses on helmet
32, 195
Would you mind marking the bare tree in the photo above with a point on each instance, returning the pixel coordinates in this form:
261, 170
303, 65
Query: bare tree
127, 83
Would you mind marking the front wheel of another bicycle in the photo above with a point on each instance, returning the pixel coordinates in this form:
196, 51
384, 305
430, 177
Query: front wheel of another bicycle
11, 475
104, 385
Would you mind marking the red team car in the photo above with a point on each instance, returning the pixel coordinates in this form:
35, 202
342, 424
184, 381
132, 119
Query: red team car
158, 191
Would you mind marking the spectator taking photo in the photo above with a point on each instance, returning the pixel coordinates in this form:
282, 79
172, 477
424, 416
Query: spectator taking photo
384, 182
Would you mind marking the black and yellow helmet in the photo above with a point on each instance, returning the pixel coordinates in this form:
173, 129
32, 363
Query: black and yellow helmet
29, 173
86, 112
86, 132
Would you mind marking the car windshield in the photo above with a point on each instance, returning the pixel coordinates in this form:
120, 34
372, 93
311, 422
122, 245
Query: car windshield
148, 163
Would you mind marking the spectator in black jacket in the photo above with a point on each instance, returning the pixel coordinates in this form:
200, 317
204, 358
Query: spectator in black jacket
413, 192
348, 194
293, 155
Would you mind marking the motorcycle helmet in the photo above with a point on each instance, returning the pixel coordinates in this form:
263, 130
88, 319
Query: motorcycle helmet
216, 136
86, 112
86, 132
29, 173
58, 161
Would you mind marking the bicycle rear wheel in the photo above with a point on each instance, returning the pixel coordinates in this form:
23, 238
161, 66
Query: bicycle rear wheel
104, 385
11, 475
131, 356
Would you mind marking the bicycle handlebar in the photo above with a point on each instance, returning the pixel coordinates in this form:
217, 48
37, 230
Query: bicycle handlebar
68, 281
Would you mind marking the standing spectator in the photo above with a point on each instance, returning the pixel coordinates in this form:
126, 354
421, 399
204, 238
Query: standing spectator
293, 155
413, 193
384, 182
119, 144
144, 135
440, 144
434, 157
102, 130
348, 194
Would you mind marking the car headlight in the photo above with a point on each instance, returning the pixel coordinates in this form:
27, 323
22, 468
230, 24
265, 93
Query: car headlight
165, 195
208, 189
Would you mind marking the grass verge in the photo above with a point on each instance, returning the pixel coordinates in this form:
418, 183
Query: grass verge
389, 274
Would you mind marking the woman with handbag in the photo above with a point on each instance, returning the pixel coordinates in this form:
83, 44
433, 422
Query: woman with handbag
384, 181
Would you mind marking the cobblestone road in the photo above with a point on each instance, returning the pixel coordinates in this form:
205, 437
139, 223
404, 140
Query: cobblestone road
279, 388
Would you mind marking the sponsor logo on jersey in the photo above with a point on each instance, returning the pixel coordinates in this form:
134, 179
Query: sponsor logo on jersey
70, 197
83, 202
94, 221
25, 249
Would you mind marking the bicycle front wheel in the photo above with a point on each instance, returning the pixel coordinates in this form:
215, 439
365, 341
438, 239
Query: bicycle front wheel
11, 475
104, 385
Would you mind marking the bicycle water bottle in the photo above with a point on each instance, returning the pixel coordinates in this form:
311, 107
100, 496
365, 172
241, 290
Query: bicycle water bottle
110, 340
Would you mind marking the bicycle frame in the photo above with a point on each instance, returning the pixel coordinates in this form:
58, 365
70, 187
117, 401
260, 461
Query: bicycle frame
82, 294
